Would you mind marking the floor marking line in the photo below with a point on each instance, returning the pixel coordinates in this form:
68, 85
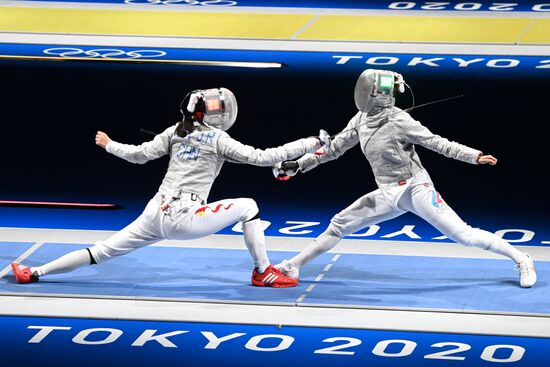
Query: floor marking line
281, 45
306, 26
540, 252
22, 257
301, 298
524, 32
318, 279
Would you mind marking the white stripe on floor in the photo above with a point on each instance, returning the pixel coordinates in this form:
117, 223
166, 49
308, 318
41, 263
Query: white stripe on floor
279, 243
317, 279
23, 256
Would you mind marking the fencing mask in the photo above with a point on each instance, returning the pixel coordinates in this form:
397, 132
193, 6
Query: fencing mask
215, 107
375, 89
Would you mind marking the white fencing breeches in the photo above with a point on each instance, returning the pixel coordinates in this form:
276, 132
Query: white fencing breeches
418, 197
196, 221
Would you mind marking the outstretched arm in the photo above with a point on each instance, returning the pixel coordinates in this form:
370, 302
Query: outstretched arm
142, 153
343, 141
235, 151
415, 133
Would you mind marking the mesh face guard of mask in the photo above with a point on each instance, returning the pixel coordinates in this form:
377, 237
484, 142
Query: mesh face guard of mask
376, 89
216, 107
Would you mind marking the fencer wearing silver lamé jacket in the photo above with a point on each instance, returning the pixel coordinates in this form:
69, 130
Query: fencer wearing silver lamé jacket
196, 160
387, 139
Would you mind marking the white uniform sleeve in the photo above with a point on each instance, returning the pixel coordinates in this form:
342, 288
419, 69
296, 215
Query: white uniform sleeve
343, 141
234, 151
416, 133
147, 151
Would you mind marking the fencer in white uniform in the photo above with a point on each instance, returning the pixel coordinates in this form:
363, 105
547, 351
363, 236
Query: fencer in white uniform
198, 146
387, 136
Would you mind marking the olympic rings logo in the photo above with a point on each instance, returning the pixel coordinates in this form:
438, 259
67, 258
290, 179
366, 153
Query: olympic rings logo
183, 2
103, 53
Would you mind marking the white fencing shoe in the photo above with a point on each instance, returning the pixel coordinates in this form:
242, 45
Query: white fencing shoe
527, 273
288, 269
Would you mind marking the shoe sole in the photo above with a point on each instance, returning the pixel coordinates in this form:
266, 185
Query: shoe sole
529, 286
275, 285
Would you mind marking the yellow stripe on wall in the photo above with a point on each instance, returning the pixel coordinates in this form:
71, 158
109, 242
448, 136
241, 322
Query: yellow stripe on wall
276, 26
151, 23
416, 29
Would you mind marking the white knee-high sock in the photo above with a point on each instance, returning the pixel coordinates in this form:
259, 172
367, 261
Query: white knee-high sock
320, 245
491, 242
500, 246
255, 242
65, 263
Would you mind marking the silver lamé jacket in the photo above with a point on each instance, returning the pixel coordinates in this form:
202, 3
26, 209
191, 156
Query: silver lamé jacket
387, 139
196, 160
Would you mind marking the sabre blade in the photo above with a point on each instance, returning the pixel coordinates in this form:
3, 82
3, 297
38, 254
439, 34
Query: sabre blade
406, 110
148, 132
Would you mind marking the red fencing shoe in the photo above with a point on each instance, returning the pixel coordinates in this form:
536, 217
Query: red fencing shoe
23, 274
272, 277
